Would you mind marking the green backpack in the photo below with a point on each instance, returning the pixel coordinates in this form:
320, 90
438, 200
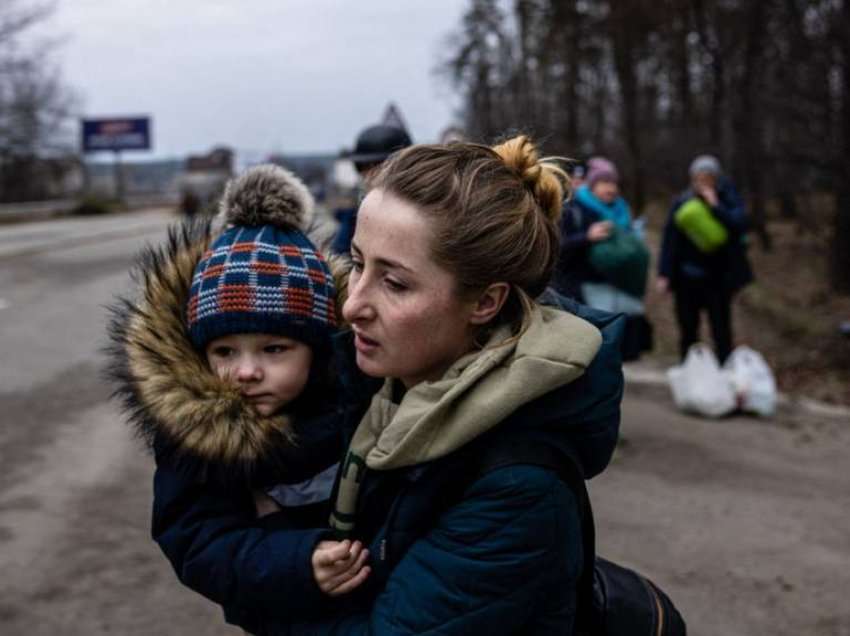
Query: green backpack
622, 260
695, 220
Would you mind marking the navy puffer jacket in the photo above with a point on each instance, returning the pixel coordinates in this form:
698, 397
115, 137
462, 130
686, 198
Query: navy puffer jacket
498, 555
573, 267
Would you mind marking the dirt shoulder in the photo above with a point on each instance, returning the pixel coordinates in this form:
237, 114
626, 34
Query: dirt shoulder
743, 521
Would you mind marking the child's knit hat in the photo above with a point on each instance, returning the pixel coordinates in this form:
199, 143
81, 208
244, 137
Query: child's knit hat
262, 274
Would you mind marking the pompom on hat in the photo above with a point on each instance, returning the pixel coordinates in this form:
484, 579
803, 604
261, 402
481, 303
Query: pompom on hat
262, 274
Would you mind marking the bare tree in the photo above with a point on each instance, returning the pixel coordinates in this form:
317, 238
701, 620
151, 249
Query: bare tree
35, 106
841, 236
749, 121
764, 84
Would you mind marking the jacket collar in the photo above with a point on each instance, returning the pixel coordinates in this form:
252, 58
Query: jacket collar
478, 392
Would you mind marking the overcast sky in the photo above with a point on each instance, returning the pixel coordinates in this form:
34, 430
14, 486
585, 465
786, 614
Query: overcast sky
260, 75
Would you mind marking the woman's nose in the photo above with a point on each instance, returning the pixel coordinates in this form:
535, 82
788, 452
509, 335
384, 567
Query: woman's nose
357, 306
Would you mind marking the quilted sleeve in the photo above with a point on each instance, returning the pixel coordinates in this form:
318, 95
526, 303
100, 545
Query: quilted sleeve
252, 567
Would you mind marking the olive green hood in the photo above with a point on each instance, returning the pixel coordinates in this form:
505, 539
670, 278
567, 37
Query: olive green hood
480, 390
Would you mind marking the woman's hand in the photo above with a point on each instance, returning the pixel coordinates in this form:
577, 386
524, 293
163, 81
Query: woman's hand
599, 231
708, 194
662, 285
339, 566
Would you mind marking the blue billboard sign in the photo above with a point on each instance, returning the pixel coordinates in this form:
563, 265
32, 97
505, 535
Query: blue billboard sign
116, 133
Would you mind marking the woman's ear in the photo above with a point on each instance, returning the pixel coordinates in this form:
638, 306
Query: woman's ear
489, 303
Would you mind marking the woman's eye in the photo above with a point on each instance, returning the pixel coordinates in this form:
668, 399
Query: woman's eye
395, 285
356, 265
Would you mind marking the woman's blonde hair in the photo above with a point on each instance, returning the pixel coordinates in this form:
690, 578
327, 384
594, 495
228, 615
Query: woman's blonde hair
494, 212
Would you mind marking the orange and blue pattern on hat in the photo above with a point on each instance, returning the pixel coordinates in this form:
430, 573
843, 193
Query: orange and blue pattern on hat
261, 279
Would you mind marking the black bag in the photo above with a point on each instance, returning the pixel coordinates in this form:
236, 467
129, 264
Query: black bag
612, 600
625, 602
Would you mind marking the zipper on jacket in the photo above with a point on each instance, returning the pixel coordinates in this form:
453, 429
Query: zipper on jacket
382, 550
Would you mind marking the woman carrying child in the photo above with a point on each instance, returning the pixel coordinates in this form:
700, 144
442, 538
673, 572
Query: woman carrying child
452, 246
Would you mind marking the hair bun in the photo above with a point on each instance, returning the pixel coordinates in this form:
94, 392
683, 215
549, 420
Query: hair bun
546, 180
267, 195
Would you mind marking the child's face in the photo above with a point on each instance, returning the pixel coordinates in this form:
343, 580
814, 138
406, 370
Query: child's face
270, 370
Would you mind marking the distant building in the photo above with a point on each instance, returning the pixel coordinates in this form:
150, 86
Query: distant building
203, 179
40, 178
219, 160
140, 177
315, 170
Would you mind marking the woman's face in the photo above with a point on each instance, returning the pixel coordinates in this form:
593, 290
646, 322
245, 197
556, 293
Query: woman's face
408, 321
606, 191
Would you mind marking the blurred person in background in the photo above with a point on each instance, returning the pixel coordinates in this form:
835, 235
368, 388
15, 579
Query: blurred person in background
596, 214
599, 197
580, 227
373, 146
703, 258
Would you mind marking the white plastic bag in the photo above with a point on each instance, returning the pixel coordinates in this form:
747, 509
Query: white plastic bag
700, 386
752, 381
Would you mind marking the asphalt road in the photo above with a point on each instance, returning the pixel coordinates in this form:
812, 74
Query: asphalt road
744, 522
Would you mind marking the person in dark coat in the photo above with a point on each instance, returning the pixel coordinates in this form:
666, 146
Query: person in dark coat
573, 268
590, 216
582, 225
374, 144
440, 308
700, 280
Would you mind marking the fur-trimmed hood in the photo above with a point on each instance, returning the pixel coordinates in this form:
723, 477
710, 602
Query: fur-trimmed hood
173, 399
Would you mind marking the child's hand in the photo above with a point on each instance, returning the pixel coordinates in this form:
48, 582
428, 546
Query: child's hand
264, 504
338, 566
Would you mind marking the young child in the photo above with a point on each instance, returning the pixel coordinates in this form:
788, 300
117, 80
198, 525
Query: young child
224, 366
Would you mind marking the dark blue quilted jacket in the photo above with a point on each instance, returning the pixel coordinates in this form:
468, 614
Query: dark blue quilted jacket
497, 554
